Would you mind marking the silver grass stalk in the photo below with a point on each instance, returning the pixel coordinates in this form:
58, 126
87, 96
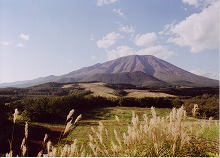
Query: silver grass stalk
40, 154
48, 146
24, 150
68, 125
117, 118
194, 110
45, 137
23, 143
78, 118
70, 114
15, 115
153, 112
9, 154
26, 130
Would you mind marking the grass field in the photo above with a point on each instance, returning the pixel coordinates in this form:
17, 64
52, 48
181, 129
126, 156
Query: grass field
123, 131
108, 117
119, 119
99, 89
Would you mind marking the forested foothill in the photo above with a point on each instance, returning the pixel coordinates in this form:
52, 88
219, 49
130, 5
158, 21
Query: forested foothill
50, 102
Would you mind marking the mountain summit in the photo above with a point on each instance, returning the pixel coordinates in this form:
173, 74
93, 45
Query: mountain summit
141, 70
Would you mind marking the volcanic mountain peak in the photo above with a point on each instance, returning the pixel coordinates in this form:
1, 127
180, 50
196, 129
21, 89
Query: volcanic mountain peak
124, 70
147, 64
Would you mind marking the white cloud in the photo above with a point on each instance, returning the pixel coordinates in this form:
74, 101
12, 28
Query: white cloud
199, 31
119, 12
158, 51
205, 73
147, 39
24, 37
108, 40
6, 43
21, 45
127, 29
198, 3
104, 2
167, 29
119, 52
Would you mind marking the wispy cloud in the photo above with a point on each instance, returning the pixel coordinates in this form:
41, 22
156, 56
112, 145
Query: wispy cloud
147, 39
200, 31
119, 13
5, 43
24, 37
205, 73
167, 29
198, 3
21, 45
127, 29
104, 2
108, 40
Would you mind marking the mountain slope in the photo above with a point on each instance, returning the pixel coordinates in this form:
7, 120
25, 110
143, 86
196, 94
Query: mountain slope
147, 64
136, 78
136, 69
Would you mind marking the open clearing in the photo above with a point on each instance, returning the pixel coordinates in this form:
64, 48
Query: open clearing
144, 93
99, 89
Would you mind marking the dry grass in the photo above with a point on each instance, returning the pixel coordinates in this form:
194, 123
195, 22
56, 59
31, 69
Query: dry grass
99, 89
144, 93
174, 135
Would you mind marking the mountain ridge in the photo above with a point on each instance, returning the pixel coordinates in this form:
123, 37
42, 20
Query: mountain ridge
123, 70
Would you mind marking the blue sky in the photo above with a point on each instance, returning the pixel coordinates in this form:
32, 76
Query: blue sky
53, 37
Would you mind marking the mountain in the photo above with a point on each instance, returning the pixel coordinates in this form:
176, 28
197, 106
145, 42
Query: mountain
136, 78
142, 70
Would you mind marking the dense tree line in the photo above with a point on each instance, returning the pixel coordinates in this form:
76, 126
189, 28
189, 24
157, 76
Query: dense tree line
55, 108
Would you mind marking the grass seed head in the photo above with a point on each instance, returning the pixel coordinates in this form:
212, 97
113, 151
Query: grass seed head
45, 137
40, 154
49, 145
9, 154
78, 118
70, 114
24, 150
68, 125
26, 130
15, 115
117, 118
195, 109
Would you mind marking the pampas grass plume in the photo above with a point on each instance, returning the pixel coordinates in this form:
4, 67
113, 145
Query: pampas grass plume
26, 130
70, 114
68, 125
15, 115
78, 118
45, 137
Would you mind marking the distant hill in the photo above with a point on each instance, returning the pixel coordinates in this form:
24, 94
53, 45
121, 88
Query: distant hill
141, 70
136, 78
